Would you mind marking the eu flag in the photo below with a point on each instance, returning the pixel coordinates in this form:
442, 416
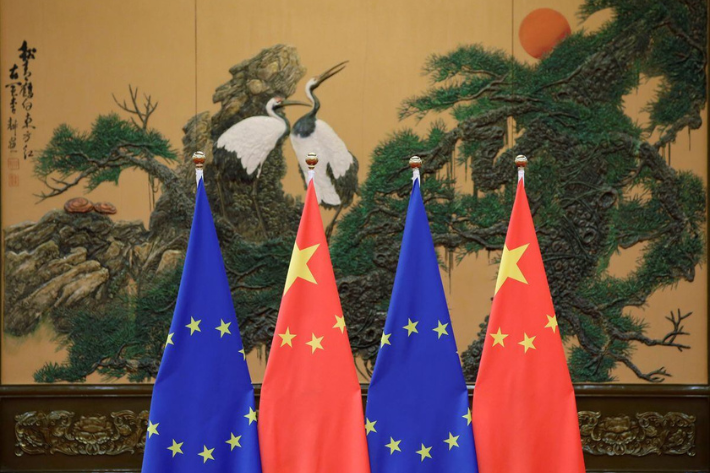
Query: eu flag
202, 415
418, 418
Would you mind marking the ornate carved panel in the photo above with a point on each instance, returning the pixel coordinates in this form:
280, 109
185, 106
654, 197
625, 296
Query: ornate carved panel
59, 431
648, 433
39, 432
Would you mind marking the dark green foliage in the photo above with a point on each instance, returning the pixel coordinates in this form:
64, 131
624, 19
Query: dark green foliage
110, 329
126, 338
596, 185
95, 155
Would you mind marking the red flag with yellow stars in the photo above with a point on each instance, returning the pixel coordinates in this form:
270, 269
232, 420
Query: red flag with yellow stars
524, 409
311, 418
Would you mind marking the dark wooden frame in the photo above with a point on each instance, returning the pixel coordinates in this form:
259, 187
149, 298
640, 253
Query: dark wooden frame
619, 404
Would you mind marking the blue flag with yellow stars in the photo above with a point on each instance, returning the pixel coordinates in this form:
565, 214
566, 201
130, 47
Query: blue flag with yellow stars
418, 416
202, 415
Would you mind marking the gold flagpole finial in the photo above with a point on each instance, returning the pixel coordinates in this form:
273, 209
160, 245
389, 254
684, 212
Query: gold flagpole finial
198, 157
521, 162
415, 163
311, 161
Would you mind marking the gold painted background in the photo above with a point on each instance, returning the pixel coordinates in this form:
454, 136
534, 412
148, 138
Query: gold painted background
89, 50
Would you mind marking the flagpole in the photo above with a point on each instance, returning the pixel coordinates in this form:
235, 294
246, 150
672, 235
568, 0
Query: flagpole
198, 158
521, 161
311, 161
415, 162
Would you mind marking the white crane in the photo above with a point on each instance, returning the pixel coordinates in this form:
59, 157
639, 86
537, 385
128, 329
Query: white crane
336, 175
254, 138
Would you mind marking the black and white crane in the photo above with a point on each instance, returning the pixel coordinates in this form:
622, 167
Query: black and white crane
252, 140
336, 175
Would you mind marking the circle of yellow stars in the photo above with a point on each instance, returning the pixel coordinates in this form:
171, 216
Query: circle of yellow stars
424, 452
175, 448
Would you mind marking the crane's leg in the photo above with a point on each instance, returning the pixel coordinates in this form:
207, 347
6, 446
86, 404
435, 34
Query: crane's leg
254, 195
331, 225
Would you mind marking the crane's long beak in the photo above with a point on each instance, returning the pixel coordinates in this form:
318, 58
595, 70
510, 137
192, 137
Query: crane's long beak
286, 103
329, 73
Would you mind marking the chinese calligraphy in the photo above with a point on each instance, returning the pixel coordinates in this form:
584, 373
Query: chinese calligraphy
21, 88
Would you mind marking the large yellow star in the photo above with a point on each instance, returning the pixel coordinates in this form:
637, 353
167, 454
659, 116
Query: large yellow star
287, 337
251, 415
424, 452
527, 342
152, 429
176, 448
315, 343
411, 327
298, 267
370, 426
498, 338
509, 266
468, 417
206, 454
234, 441
194, 325
385, 339
340, 323
452, 441
441, 329
223, 328
393, 445
551, 322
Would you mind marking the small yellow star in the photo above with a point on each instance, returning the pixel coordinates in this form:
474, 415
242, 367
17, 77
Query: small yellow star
298, 267
251, 416
194, 325
441, 329
527, 342
551, 322
170, 339
385, 339
234, 441
468, 417
498, 338
206, 454
411, 327
370, 426
452, 441
509, 266
393, 445
243, 353
340, 323
176, 448
152, 429
424, 452
287, 337
223, 328
315, 343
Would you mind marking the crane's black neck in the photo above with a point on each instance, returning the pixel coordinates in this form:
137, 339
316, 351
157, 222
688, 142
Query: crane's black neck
281, 113
306, 125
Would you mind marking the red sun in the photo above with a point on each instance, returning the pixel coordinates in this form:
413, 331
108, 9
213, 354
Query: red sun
541, 30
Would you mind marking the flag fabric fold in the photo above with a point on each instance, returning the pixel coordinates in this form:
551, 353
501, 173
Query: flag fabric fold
524, 408
311, 418
418, 416
202, 414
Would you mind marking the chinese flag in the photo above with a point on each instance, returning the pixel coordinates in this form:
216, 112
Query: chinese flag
311, 418
524, 410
